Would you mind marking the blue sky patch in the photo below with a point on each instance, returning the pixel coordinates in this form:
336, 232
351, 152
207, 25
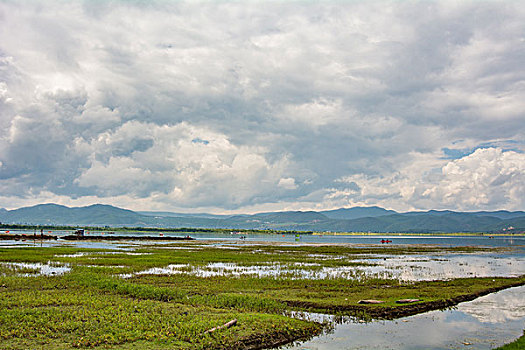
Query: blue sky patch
451, 153
199, 140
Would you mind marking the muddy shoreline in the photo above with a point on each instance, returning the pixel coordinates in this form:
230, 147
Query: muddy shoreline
278, 338
125, 238
18, 237
22, 237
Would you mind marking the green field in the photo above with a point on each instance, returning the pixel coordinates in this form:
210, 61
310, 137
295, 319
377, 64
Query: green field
105, 300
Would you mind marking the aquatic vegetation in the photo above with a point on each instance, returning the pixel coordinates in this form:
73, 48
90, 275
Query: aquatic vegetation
84, 317
28, 269
172, 296
86, 310
291, 271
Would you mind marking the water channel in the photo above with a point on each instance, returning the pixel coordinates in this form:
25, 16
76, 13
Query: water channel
485, 323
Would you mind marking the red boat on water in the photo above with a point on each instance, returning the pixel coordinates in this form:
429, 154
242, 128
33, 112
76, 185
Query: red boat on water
386, 241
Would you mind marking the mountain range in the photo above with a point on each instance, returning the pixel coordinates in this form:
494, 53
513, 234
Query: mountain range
356, 219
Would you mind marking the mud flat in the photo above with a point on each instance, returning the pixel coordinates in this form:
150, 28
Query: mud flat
125, 238
18, 237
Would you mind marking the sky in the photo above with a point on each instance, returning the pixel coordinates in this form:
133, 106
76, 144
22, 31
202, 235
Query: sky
249, 106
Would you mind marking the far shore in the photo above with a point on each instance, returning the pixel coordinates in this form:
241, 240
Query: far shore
418, 234
15, 228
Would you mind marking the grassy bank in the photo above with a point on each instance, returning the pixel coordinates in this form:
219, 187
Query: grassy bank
113, 299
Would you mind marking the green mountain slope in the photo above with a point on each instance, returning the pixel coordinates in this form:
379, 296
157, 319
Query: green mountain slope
341, 220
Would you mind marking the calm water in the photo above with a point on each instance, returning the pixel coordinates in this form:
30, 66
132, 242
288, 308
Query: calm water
484, 323
447, 266
447, 241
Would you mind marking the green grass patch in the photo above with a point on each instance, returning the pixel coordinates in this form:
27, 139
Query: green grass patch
60, 312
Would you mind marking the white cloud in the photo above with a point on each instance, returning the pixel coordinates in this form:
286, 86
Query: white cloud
287, 183
103, 101
487, 178
315, 113
142, 159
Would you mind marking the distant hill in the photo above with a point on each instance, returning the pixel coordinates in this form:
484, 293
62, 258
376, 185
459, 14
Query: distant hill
501, 214
358, 219
294, 217
428, 223
54, 214
181, 215
356, 213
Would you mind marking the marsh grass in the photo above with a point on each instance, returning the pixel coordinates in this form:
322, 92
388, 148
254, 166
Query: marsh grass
93, 307
13, 270
84, 310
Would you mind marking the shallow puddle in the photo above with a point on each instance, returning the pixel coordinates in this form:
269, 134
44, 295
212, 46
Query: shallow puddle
485, 323
293, 271
447, 266
37, 269
407, 268
94, 254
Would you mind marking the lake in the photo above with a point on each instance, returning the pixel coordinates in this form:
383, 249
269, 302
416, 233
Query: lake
440, 240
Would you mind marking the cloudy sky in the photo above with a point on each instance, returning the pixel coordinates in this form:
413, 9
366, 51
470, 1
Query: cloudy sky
233, 106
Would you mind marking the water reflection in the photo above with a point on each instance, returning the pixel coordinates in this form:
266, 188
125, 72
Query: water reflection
35, 269
446, 266
276, 270
407, 268
484, 323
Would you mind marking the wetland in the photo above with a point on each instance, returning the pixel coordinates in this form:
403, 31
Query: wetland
161, 294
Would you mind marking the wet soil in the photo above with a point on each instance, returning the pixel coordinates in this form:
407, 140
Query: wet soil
18, 237
278, 338
125, 238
